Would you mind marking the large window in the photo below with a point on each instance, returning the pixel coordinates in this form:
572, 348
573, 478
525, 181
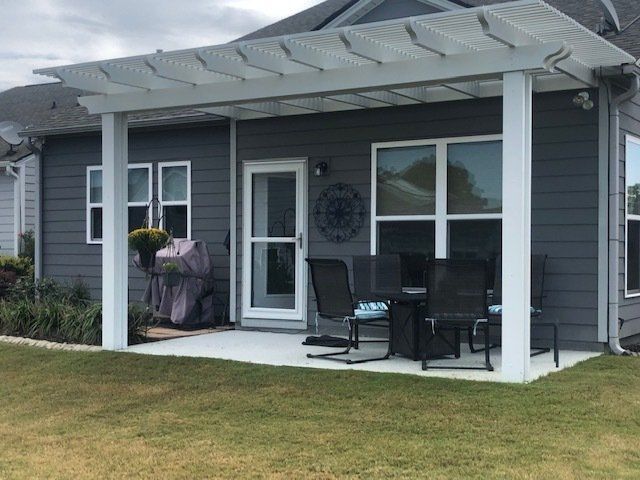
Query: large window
139, 196
174, 186
441, 198
632, 163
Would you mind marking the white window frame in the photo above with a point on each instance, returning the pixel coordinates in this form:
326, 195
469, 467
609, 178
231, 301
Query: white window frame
441, 217
628, 216
162, 203
90, 205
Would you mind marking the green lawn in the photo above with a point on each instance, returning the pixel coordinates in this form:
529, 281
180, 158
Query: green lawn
105, 415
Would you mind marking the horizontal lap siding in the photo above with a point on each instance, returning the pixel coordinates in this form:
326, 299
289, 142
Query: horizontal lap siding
66, 256
565, 183
629, 309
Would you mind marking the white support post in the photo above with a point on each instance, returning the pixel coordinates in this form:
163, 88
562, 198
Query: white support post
233, 220
516, 227
115, 257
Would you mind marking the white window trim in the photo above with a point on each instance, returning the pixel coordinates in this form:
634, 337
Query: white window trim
628, 216
93, 168
187, 202
441, 217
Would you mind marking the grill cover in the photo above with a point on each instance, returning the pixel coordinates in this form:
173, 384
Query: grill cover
191, 302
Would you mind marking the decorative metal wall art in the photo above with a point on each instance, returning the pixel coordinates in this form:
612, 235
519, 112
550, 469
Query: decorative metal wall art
339, 212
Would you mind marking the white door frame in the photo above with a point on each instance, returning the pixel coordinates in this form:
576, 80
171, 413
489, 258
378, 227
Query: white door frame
271, 317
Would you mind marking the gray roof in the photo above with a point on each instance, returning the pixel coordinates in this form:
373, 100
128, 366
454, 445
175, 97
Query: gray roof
33, 106
50, 108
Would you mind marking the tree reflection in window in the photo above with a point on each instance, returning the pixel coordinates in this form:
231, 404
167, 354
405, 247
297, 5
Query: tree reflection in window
406, 181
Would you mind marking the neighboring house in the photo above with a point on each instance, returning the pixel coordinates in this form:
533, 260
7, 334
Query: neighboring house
392, 109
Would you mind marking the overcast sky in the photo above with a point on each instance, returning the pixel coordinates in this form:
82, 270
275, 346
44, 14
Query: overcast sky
44, 33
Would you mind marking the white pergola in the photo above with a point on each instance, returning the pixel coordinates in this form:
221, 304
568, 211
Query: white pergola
510, 50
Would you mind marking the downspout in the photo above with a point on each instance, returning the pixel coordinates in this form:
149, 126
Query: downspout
10, 170
614, 209
37, 153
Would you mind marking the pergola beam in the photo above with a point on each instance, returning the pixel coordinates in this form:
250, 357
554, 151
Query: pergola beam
135, 78
390, 98
374, 77
363, 47
501, 31
471, 89
276, 109
310, 57
235, 112
175, 71
91, 83
268, 62
222, 64
432, 40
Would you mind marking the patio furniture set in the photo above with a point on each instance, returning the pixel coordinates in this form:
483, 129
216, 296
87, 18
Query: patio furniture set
425, 304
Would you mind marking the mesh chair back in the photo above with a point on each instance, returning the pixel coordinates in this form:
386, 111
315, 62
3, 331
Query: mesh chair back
538, 267
330, 279
413, 266
375, 274
456, 289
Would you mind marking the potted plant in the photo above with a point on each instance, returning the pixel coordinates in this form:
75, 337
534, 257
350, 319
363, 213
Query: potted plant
147, 242
171, 274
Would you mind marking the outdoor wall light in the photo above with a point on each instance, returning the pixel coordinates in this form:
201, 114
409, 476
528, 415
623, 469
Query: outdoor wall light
321, 169
583, 100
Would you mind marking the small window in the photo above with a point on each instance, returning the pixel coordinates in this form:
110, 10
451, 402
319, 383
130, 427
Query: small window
474, 178
139, 196
632, 164
406, 181
175, 198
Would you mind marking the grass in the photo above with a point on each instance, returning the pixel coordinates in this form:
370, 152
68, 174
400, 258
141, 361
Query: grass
108, 415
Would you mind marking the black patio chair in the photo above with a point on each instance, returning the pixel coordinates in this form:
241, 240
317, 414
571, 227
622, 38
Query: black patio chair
330, 279
538, 269
457, 299
413, 266
374, 275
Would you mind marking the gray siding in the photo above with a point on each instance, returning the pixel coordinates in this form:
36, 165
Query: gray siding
66, 255
397, 9
565, 183
629, 308
7, 234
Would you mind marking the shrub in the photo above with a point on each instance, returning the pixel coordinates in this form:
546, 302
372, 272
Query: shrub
11, 270
22, 266
50, 311
27, 245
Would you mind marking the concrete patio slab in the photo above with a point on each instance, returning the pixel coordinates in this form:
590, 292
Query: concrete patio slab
281, 349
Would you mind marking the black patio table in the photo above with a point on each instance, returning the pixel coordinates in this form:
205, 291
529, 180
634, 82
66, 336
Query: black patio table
408, 332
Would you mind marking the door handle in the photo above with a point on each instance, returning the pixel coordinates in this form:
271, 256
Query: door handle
299, 239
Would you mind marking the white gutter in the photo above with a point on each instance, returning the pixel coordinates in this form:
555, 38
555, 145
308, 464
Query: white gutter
10, 170
37, 153
614, 209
